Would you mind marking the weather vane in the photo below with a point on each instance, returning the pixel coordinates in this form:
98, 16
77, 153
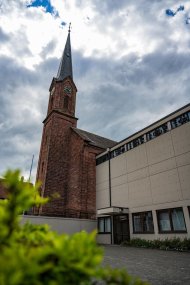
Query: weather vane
69, 27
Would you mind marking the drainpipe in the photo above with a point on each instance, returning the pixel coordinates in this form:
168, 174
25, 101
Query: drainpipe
110, 200
109, 165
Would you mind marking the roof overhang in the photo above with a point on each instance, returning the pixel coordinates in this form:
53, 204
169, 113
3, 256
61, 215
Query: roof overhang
112, 211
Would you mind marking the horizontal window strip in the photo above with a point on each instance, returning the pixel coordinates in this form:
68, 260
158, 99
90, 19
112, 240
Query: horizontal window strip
162, 129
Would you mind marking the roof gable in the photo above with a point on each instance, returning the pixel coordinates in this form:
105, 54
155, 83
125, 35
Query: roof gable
95, 140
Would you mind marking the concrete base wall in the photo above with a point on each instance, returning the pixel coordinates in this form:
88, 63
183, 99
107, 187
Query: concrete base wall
104, 238
63, 225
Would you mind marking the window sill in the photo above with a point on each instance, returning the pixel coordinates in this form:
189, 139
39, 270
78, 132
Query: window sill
144, 233
172, 232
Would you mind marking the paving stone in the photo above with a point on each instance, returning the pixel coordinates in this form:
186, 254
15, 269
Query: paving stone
158, 267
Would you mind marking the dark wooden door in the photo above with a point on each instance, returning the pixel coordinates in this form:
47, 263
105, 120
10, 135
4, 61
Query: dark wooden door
121, 228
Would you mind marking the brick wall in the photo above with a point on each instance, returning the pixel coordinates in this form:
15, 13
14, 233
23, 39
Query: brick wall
67, 163
69, 167
54, 159
82, 176
57, 95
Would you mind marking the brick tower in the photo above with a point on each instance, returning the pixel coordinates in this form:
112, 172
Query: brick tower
66, 163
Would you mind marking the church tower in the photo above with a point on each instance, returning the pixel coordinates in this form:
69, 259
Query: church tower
53, 162
67, 160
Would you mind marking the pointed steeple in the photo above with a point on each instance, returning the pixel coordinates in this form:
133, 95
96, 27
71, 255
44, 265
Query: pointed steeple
65, 67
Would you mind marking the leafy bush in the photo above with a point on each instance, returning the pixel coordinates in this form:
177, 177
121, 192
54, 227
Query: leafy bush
167, 244
35, 255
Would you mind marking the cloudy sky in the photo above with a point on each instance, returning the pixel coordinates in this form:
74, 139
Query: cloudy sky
131, 62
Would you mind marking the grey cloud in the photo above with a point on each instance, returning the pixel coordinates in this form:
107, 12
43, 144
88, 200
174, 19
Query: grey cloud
13, 74
141, 6
168, 62
23, 94
109, 6
12, 4
3, 36
142, 15
115, 97
19, 44
49, 48
127, 88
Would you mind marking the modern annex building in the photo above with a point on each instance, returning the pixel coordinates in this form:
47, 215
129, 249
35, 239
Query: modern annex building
143, 183
139, 187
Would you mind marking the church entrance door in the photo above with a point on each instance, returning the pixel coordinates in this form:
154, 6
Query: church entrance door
121, 228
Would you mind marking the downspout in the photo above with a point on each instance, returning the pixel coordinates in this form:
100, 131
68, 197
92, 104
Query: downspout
110, 198
109, 171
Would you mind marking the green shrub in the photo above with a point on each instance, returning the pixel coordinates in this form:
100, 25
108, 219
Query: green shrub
35, 255
167, 244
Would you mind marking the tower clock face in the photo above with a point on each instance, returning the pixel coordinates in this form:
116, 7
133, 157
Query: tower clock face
67, 89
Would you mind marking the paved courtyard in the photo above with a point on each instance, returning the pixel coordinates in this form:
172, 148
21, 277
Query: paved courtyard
158, 267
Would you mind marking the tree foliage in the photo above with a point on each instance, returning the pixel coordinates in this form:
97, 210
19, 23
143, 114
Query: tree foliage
35, 255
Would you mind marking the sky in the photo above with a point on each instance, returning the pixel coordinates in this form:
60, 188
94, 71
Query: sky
131, 66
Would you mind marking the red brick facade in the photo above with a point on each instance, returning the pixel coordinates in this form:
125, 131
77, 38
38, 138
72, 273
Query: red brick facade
82, 177
67, 161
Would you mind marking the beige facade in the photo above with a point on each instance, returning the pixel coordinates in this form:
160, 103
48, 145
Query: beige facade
144, 174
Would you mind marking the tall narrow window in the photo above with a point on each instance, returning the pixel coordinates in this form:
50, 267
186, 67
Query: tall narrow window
143, 222
66, 102
171, 220
178, 220
164, 221
104, 225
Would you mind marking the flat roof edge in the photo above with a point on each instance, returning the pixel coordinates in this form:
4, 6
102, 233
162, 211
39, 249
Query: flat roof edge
181, 108
149, 126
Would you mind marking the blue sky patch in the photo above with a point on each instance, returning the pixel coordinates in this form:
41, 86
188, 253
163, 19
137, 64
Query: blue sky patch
171, 13
46, 4
63, 23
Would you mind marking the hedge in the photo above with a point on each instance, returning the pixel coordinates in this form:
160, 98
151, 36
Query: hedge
166, 244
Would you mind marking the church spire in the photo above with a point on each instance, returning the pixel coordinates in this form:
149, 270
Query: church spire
65, 67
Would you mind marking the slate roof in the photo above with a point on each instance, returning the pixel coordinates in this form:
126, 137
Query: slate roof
65, 67
95, 140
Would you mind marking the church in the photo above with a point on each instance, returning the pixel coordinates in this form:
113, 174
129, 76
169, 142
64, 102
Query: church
67, 160
136, 188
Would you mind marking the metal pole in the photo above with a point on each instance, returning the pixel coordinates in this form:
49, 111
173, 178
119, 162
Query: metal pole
31, 168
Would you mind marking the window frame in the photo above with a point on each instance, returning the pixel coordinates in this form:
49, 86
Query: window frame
104, 219
142, 214
169, 211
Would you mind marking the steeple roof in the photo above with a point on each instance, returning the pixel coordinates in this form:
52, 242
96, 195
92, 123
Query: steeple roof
65, 67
